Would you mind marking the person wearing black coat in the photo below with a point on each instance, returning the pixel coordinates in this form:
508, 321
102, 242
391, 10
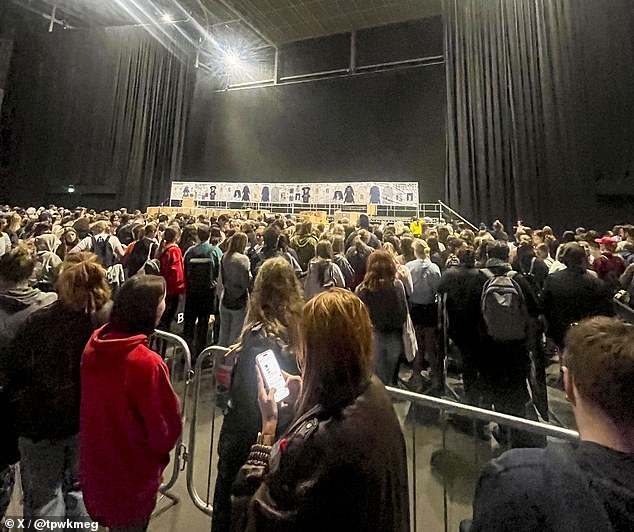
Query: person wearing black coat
18, 301
42, 383
503, 367
573, 294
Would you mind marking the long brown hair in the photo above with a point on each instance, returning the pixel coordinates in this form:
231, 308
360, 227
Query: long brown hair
381, 270
237, 243
276, 303
336, 355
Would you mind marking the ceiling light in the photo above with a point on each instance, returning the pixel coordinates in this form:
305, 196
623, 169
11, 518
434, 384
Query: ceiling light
232, 59
167, 18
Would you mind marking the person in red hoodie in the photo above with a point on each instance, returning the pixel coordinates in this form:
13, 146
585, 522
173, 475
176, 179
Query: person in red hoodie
130, 416
173, 270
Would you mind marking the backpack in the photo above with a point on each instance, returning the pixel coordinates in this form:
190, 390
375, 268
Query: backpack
150, 266
503, 307
346, 269
103, 250
314, 284
201, 274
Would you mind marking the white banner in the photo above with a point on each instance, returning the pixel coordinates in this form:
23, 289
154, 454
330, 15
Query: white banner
373, 193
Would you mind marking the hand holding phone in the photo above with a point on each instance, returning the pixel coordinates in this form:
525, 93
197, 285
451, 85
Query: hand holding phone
272, 374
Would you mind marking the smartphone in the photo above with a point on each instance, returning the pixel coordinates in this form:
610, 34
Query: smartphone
272, 373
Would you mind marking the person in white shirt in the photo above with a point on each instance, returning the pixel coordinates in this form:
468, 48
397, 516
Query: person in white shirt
100, 231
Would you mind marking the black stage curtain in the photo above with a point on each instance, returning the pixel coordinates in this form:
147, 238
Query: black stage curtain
104, 110
524, 120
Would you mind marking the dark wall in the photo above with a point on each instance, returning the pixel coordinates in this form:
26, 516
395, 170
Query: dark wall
384, 126
101, 109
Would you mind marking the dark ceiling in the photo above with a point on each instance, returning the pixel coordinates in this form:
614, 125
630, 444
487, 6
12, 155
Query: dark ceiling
276, 21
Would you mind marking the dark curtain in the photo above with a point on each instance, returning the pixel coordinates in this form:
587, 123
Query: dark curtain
104, 110
524, 119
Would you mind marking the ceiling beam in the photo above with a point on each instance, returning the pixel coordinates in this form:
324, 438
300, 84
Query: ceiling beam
246, 22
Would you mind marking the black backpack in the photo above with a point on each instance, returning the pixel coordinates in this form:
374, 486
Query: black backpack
103, 250
201, 273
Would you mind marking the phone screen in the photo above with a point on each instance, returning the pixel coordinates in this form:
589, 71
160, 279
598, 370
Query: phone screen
272, 373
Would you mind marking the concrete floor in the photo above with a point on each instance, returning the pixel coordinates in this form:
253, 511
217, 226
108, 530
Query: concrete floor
444, 461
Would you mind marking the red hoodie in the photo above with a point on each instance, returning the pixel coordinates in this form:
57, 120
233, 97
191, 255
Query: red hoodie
129, 422
173, 270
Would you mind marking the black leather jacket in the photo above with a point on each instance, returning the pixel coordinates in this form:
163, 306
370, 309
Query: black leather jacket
342, 469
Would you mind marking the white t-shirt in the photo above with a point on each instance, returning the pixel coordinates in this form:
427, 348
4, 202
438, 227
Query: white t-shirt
5, 244
85, 244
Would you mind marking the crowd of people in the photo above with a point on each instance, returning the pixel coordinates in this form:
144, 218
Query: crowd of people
343, 308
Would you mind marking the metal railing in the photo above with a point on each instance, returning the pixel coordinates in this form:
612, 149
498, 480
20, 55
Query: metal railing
623, 311
208, 357
175, 351
454, 214
436, 211
204, 382
432, 503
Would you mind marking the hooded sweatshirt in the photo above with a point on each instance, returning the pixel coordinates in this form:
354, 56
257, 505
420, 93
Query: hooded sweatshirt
48, 262
130, 421
15, 307
305, 246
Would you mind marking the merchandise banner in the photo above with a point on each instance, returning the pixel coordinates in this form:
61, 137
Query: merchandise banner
370, 193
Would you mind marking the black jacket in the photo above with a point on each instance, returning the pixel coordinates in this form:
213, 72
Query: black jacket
15, 308
338, 469
463, 288
557, 489
242, 422
43, 371
571, 295
387, 306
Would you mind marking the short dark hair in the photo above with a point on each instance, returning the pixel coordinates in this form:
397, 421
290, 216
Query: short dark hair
572, 254
134, 310
203, 232
498, 250
17, 265
215, 234
271, 237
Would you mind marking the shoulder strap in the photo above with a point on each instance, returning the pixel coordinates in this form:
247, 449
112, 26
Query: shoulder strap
487, 273
530, 272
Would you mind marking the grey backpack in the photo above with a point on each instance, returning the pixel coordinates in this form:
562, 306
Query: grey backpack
503, 307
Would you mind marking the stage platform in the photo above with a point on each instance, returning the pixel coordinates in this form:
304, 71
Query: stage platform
381, 213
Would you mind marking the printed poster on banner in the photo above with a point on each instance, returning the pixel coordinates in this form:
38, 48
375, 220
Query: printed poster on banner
360, 193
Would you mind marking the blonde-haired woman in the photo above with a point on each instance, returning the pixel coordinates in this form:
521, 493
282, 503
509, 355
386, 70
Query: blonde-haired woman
273, 322
43, 380
342, 463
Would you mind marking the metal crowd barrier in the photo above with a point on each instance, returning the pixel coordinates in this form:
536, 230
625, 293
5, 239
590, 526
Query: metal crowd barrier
175, 351
207, 360
204, 382
434, 505
623, 311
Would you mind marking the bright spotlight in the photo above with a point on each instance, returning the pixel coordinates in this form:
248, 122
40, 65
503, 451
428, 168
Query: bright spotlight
167, 18
232, 60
